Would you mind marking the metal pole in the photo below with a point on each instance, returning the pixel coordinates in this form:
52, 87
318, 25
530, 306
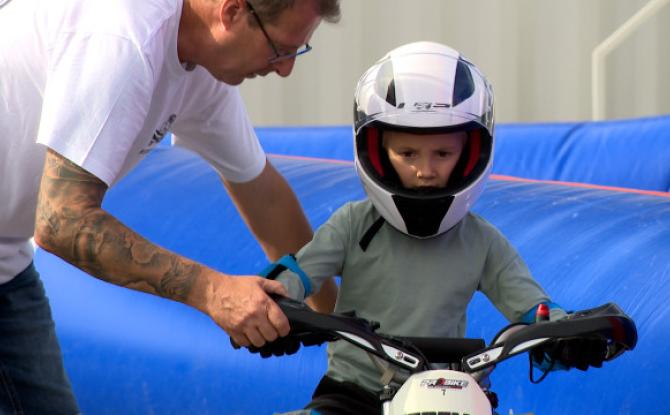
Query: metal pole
598, 76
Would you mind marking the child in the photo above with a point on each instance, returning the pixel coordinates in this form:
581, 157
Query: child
412, 256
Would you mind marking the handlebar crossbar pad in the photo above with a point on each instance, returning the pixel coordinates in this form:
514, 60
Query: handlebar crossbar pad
444, 349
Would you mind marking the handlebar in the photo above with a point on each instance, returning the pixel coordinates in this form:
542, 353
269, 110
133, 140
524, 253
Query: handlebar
608, 321
415, 354
355, 330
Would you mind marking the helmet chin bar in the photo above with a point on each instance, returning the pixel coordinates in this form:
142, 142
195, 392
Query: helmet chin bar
423, 217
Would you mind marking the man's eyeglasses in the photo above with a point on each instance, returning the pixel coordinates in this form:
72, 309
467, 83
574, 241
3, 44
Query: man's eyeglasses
279, 57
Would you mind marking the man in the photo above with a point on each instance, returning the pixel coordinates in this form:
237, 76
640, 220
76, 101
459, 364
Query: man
97, 85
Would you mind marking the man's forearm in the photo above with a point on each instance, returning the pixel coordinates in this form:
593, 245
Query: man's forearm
70, 224
105, 248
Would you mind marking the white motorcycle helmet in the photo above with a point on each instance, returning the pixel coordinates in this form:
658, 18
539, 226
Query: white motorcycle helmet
428, 88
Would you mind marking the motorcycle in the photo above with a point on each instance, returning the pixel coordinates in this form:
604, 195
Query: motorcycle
448, 375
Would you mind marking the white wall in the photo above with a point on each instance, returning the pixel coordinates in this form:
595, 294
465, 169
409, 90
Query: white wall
537, 54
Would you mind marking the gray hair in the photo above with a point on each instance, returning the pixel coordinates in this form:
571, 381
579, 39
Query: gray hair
269, 10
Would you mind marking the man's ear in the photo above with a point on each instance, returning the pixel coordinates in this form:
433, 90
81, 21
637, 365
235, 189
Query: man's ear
232, 11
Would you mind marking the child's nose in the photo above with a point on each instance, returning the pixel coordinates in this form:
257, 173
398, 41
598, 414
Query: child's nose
425, 169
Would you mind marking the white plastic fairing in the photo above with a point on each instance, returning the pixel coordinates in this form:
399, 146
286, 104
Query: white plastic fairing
356, 339
527, 345
440, 391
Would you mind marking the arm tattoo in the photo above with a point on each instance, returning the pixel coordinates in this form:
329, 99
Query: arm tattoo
71, 223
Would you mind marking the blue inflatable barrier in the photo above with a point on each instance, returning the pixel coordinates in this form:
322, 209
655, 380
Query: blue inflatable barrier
132, 353
624, 153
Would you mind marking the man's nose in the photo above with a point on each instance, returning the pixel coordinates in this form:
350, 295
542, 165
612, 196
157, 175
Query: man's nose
284, 68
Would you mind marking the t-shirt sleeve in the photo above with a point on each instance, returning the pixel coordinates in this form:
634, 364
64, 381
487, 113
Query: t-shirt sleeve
506, 280
96, 98
216, 126
323, 257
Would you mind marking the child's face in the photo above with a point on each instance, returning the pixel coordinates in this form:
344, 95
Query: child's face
424, 160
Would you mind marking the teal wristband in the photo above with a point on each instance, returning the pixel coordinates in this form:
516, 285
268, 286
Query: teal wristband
288, 262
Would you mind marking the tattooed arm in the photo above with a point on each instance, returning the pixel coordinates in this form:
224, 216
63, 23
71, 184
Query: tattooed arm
70, 223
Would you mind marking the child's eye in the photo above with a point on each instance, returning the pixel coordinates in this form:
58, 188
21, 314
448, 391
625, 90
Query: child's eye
444, 154
407, 154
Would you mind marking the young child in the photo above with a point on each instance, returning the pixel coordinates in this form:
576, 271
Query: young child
412, 255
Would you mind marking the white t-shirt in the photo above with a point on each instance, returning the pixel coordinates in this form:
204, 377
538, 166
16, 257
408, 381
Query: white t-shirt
100, 83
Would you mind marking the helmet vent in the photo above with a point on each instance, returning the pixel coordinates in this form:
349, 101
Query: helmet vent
464, 86
390, 93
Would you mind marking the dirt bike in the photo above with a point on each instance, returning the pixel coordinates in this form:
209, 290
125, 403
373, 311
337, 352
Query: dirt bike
412, 384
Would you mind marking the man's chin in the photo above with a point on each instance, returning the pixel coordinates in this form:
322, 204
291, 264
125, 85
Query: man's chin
236, 79
233, 80
229, 80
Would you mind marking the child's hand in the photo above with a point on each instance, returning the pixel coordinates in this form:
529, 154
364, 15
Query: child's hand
580, 353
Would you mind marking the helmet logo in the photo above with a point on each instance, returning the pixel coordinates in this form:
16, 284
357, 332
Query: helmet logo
427, 106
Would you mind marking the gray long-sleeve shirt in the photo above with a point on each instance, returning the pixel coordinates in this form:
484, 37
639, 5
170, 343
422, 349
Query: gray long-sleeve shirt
413, 287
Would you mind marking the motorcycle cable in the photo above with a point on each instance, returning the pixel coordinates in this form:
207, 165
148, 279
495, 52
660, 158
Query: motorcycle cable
544, 373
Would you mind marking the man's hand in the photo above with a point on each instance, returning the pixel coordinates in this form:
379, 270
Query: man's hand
242, 307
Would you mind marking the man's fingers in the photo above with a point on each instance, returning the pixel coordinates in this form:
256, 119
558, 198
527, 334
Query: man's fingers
267, 330
255, 337
278, 319
274, 287
240, 341
274, 315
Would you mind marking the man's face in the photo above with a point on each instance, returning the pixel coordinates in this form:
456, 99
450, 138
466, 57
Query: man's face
424, 160
248, 51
